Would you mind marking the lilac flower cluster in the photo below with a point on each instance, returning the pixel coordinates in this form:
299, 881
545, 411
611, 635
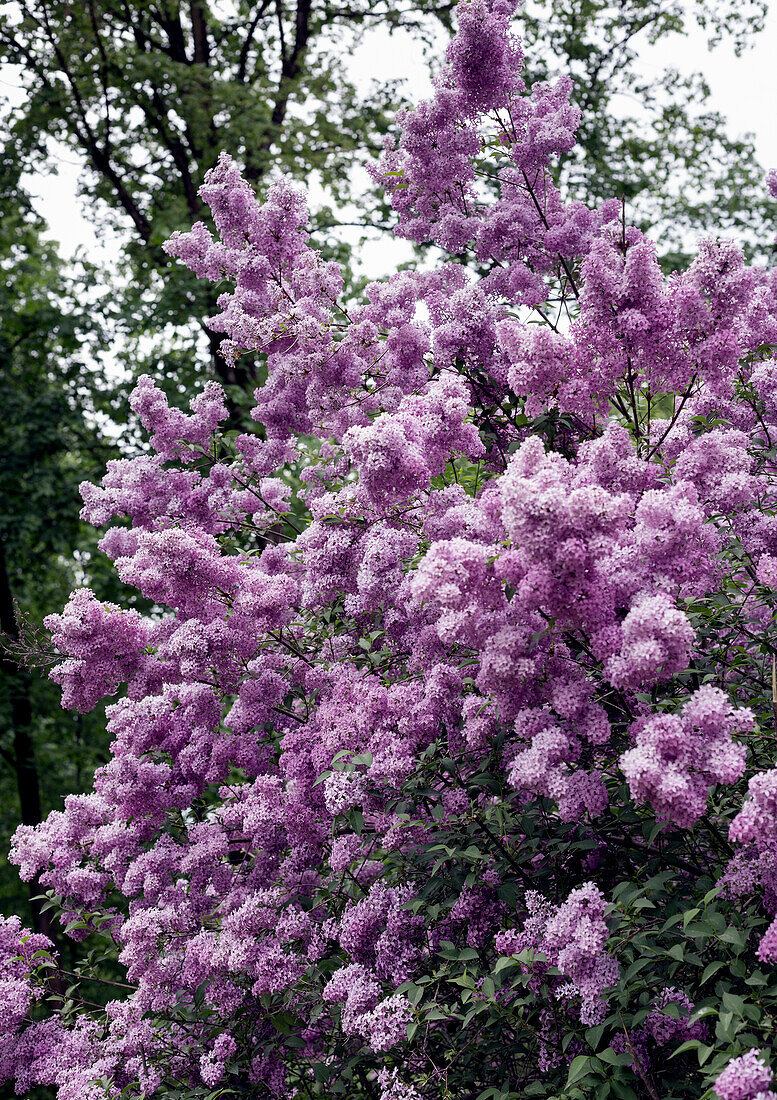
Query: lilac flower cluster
572, 937
755, 864
678, 757
661, 1029
745, 1078
381, 1023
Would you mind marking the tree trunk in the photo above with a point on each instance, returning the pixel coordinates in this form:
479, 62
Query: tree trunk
22, 751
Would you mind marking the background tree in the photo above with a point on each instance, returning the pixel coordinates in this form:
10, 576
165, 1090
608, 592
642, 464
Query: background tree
49, 372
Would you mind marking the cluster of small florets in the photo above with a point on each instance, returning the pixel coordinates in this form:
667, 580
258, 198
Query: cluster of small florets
399, 453
103, 645
382, 1023
42, 1051
172, 432
678, 757
746, 1078
572, 937
755, 827
392, 1088
18, 990
661, 1029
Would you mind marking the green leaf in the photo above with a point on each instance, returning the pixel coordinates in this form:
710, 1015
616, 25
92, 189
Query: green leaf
734, 1003
690, 1044
580, 1067
612, 1058
757, 979
734, 936
635, 968
594, 1034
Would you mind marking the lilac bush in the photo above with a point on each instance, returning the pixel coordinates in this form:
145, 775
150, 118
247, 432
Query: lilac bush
442, 764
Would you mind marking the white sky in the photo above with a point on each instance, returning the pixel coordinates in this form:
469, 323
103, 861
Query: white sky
744, 89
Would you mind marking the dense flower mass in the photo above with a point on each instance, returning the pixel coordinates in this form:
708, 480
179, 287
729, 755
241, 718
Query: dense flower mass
433, 715
571, 938
678, 758
745, 1078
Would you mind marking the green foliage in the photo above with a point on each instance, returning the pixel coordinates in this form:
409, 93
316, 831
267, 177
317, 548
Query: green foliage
48, 444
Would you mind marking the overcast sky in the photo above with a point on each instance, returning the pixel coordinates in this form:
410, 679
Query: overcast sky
744, 89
